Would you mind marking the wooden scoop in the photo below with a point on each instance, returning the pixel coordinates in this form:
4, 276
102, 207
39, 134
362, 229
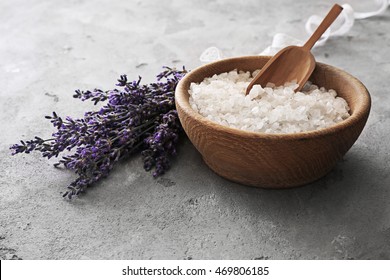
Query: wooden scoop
294, 62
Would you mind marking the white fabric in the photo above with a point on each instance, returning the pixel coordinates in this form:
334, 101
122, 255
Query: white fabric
383, 6
281, 40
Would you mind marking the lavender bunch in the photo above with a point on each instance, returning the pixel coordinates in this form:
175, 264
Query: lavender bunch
136, 118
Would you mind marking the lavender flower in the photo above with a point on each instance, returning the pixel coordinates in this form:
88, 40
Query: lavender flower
135, 118
161, 144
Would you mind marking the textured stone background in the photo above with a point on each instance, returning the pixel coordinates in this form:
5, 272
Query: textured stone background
50, 48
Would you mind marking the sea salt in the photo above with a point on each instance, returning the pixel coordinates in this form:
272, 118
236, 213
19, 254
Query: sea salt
221, 99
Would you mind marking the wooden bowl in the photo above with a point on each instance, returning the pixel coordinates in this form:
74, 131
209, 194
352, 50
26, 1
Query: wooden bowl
273, 160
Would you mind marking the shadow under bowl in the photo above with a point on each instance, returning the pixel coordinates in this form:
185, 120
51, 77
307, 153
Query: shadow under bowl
273, 160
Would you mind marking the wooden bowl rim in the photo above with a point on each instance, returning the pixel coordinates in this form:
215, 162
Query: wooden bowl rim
362, 109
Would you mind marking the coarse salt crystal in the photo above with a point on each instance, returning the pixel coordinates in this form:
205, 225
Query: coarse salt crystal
221, 98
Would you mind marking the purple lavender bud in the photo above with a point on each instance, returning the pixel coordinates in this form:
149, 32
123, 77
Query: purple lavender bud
135, 118
158, 136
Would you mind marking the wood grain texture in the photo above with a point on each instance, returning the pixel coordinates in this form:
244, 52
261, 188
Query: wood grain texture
273, 160
294, 63
324, 25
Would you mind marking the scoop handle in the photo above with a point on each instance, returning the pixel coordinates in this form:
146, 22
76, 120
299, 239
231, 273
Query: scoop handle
326, 22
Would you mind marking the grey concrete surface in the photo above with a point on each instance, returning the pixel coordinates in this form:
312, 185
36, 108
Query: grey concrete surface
50, 48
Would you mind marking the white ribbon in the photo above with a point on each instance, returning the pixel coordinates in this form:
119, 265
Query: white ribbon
383, 6
346, 17
281, 40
